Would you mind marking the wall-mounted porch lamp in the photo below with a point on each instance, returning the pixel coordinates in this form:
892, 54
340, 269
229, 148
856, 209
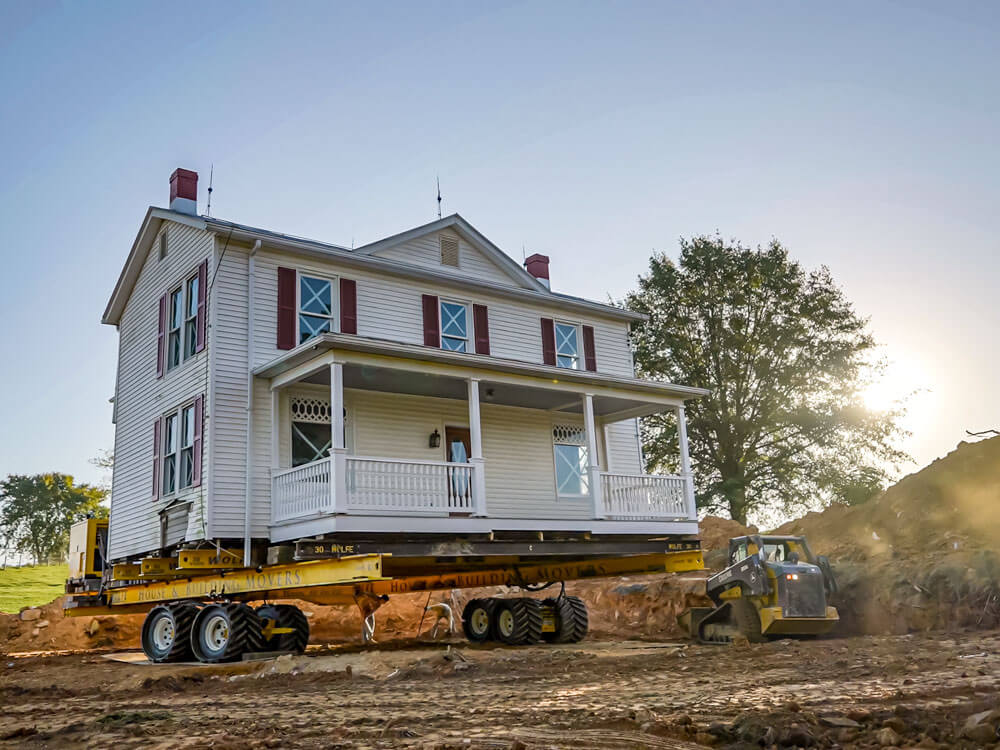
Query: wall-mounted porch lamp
435, 439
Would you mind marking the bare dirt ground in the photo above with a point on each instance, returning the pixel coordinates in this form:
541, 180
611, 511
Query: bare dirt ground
869, 691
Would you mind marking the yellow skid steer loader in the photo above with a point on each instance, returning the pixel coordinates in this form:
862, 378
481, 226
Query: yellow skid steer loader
774, 586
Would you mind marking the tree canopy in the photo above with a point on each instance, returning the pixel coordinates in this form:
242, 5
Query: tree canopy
786, 359
36, 512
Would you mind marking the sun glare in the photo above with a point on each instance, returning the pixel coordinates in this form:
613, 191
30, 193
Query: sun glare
900, 380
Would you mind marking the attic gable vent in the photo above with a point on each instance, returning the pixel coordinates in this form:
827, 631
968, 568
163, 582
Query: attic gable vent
449, 251
163, 244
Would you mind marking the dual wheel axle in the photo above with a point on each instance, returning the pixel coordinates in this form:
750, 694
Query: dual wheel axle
523, 621
219, 632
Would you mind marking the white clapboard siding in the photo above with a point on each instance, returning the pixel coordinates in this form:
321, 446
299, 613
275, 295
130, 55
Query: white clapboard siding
230, 408
623, 448
141, 398
517, 446
426, 251
389, 307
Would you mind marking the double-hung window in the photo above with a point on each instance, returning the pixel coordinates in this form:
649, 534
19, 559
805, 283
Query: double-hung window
569, 447
187, 447
315, 307
454, 326
182, 323
191, 317
567, 345
175, 314
169, 454
178, 450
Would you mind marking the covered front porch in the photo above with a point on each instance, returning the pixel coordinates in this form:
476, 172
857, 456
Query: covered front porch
367, 438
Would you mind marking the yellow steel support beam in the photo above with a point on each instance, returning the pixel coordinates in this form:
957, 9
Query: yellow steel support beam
126, 571
248, 581
339, 581
207, 559
158, 566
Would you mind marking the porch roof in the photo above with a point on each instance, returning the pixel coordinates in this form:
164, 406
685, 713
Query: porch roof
518, 383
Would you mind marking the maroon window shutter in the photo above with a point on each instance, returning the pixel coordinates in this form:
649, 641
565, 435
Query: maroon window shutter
589, 353
160, 334
199, 411
348, 306
432, 321
481, 322
286, 308
199, 337
156, 459
548, 341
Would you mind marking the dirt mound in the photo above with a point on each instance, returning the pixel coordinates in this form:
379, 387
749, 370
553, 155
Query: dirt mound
48, 629
923, 555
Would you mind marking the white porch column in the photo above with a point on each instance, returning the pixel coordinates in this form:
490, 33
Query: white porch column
682, 441
338, 451
275, 430
593, 460
275, 445
476, 446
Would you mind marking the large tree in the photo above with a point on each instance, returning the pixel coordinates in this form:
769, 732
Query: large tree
37, 511
786, 359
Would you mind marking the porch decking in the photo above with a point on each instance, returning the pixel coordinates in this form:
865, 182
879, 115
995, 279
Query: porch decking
387, 486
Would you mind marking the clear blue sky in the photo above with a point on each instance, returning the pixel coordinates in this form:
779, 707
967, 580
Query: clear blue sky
862, 135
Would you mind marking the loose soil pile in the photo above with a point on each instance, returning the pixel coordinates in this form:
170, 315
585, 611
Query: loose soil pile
925, 554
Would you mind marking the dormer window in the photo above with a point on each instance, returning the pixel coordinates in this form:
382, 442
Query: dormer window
454, 326
315, 307
449, 250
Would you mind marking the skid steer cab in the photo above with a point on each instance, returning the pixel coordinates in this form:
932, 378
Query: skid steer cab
774, 587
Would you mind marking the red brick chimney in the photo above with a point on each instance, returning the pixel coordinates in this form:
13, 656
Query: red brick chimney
184, 191
538, 266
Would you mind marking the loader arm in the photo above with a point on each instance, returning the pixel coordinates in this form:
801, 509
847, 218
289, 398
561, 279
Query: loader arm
749, 574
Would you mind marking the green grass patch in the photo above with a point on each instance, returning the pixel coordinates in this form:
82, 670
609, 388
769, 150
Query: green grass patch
30, 586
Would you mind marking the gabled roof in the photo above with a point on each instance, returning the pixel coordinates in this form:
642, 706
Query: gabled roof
529, 288
471, 235
137, 256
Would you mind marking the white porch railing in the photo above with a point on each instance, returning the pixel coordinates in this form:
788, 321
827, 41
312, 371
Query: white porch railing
645, 497
398, 486
300, 491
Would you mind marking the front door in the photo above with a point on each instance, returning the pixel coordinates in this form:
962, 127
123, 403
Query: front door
458, 444
458, 448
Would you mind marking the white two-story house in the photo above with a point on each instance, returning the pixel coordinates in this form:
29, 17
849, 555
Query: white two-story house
272, 389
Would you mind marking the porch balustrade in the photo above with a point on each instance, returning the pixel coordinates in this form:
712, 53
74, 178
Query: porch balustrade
300, 491
646, 497
396, 486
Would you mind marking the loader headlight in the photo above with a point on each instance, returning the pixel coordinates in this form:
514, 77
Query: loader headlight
792, 576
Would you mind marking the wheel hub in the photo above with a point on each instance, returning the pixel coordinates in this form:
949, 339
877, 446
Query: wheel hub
163, 634
480, 621
217, 633
505, 623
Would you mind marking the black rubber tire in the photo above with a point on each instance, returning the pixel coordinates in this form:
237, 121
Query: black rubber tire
284, 616
572, 620
180, 616
469, 625
747, 620
242, 632
525, 620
